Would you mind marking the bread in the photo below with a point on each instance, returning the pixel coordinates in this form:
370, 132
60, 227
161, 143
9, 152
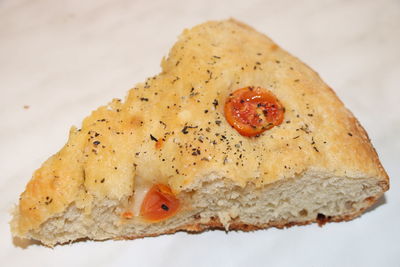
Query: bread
316, 165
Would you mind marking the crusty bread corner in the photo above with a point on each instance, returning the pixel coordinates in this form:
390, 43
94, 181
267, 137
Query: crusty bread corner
319, 165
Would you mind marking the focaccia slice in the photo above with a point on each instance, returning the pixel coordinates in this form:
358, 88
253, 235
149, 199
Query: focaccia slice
234, 133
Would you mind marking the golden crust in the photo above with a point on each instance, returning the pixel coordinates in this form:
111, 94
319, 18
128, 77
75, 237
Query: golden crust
183, 107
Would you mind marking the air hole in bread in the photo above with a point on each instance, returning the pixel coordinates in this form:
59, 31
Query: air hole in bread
303, 213
322, 219
370, 199
349, 205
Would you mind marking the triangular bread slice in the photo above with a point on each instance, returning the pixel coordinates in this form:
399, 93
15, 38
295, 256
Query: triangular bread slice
317, 165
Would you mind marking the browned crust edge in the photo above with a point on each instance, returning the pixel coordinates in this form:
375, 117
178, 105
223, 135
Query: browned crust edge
355, 123
385, 184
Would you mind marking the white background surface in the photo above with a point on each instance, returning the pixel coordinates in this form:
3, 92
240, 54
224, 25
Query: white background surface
65, 58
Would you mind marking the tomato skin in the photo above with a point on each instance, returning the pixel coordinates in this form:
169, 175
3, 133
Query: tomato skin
159, 143
159, 204
127, 215
253, 110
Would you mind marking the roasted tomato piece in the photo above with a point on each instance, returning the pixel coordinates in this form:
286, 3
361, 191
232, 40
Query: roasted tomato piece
253, 110
159, 204
127, 215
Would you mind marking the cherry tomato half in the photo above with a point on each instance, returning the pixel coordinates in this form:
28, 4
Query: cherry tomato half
159, 204
253, 110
